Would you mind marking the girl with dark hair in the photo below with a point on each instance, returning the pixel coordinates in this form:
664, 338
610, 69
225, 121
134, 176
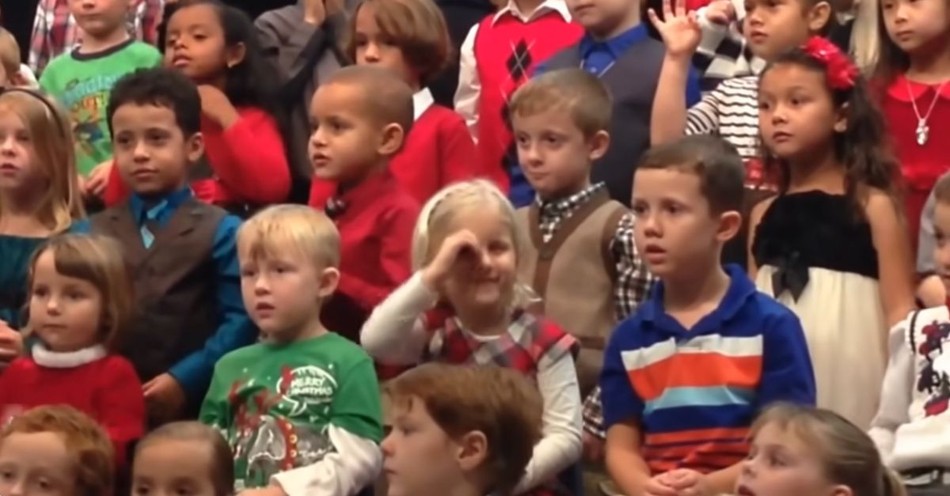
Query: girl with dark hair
217, 47
832, 245
914, 73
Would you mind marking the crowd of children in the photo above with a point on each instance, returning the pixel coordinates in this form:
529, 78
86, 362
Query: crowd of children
660, 249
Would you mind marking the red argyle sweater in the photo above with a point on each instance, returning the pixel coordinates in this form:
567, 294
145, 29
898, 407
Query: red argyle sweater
507, 51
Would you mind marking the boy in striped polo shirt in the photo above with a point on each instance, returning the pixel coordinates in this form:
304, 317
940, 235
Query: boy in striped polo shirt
685, 376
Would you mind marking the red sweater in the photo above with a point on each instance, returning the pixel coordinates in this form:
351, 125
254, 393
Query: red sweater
438, 151
248, 160
375, 227
107, 389
507, 51
921, 165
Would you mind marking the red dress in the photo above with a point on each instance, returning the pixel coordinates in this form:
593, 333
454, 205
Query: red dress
921, 164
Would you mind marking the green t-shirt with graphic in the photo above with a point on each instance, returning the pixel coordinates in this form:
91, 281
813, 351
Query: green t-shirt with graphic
81, 83
274, 404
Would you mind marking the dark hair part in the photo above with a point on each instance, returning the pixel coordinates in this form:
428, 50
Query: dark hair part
160, 87
891, 60
848, 455
387, 98
222, 461
417, 27
579, 93
252, 82
863, 148
716, 162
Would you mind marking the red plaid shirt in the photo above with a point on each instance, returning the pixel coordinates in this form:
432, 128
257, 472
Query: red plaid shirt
55, 30
529, 338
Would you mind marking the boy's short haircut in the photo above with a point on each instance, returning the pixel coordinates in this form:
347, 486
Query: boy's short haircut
86, 443
417, 27
499, 402
160, 87
281, 228
575, 91
386, 97
716, 162
222, 462
9, 53
942, 190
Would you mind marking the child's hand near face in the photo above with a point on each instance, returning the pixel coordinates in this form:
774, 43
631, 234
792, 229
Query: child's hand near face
216, 105
721, 12
459, 244
164, 397
679, 29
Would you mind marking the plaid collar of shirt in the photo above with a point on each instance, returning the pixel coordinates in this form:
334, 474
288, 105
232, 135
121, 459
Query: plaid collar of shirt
552, 213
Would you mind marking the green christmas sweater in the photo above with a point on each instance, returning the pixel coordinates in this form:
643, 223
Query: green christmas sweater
82, 83
274, 404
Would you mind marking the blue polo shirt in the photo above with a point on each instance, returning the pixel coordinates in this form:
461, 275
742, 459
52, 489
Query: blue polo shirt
695, 392
235, 328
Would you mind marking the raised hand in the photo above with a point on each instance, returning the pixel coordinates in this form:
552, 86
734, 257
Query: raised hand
679, 29
460, 244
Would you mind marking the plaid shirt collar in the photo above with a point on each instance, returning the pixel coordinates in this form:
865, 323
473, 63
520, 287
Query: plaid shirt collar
554, 211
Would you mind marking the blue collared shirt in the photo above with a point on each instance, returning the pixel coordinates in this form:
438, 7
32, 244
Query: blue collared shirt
235, 328
598, 57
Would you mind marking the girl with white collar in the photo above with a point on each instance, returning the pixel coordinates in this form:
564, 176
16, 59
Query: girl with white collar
80, 300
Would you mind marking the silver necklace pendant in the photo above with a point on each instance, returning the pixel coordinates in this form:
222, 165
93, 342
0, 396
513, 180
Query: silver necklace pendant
923, 132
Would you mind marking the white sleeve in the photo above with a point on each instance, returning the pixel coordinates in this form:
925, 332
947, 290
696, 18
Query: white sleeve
353, 466
895, 391
560, 444
395, 332
469, 89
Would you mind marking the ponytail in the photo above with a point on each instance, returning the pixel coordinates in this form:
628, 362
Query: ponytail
892, 484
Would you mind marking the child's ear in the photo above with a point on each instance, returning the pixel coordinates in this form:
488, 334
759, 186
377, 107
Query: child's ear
598, 143
391, 140
472, 450
819, 16
195, 147
235, 54
841, 490
729, 224
329, 279
841, 118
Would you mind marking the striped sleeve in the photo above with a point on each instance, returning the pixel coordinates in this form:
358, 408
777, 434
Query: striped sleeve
620, 401
787, 373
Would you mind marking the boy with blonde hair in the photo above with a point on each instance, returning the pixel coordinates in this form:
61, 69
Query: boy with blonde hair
301, 409
474, 428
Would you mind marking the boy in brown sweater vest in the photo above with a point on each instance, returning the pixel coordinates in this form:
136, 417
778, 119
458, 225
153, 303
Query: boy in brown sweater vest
583, 262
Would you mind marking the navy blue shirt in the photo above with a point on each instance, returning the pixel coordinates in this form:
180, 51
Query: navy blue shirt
235, 330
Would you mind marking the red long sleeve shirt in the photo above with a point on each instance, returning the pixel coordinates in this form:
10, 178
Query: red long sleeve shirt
438, 151
375, 225
248, 161
107, 389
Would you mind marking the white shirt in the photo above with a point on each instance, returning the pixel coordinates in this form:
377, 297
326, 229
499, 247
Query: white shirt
905, 434
395, 334
421, 101
469, 88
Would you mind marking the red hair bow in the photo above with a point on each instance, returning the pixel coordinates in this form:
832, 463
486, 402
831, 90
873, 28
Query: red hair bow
842, 73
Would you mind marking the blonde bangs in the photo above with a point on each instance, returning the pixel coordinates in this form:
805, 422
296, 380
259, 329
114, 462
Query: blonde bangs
280, 228
51, 140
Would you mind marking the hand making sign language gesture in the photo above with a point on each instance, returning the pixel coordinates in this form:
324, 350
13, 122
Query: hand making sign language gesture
679, 29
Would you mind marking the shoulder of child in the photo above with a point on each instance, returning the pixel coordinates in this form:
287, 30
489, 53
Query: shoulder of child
878, 203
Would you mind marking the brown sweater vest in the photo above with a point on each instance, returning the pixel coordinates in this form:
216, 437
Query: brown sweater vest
574, 274
174, 283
